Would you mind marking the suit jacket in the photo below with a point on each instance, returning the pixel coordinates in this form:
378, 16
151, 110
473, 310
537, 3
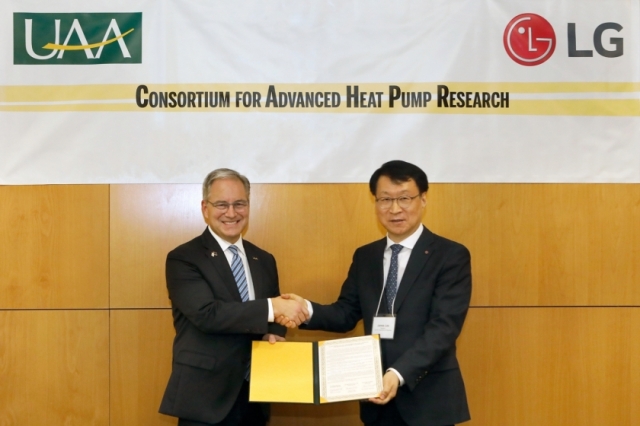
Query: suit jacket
214, 328
431, 305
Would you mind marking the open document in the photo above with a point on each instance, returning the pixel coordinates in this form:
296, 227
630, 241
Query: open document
316, 372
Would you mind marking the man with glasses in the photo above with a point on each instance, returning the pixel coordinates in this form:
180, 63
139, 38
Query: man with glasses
224, 293
413, 288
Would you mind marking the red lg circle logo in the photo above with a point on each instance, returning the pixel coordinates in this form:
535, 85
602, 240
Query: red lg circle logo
529, 39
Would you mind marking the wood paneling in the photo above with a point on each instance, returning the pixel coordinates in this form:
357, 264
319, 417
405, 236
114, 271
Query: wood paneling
141, 342
546, 244
531, 245
55, 246
341, 413
54, 368
552, 366
147, 221
312, 230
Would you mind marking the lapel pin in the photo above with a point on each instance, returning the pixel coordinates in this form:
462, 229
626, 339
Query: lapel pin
214, 254
426, 252
254, 258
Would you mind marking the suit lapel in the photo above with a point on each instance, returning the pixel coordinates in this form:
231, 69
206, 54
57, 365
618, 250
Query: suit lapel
377, 269
220, 264
419, 257
253, 259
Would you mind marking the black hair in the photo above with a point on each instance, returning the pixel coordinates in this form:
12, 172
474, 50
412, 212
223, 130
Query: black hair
400, 171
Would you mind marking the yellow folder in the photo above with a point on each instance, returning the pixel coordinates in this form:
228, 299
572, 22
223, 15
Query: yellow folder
282, 372
290, 371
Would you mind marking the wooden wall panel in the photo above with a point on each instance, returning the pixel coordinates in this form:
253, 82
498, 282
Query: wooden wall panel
552, 366
54, 368
55, 246
564, 245
312, 230
141, 342
341, 413
545, 244
531, 245
525, 366
147, 221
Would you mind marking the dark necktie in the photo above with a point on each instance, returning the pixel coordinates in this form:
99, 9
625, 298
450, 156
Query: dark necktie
238, 273
391, 287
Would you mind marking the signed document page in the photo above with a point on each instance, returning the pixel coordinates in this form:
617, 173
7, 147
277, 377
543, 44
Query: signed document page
349, 369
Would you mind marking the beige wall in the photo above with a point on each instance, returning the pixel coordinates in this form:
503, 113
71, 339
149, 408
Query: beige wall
552, 337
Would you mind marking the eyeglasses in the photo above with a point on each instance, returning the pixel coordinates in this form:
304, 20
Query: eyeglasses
223, 206
404, 202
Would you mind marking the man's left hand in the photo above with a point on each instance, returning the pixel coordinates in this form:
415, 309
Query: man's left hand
390, 383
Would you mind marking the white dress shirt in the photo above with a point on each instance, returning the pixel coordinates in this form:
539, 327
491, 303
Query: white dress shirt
224, 245
403, 258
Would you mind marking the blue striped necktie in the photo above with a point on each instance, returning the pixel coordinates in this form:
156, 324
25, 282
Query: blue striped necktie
238, 273
391, 287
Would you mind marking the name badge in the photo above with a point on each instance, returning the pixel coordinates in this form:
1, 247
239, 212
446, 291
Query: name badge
384, 326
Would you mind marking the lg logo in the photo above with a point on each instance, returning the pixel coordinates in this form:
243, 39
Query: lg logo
530, 40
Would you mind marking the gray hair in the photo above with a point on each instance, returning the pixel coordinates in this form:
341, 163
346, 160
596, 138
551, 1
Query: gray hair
223, 174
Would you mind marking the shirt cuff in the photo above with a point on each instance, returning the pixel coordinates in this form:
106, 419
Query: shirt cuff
270, 317
310, 309
397, 374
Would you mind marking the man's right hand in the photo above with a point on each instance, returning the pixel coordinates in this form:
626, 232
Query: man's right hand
290, 311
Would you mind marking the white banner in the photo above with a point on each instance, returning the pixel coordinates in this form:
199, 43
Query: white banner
319, 91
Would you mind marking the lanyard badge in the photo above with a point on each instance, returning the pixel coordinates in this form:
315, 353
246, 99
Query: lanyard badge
384, 326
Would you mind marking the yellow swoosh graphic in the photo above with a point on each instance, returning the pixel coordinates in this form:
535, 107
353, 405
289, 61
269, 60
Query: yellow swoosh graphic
52, 46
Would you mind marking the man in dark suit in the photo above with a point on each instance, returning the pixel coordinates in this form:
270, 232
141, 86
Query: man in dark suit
224, 294
418, 284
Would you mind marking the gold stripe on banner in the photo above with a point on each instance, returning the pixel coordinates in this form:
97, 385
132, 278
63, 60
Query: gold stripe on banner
555, 98
86, 92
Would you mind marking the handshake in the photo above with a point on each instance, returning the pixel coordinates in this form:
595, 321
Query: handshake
290, 310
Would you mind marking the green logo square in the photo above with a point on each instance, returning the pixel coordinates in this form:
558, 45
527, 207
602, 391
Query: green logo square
77, 38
